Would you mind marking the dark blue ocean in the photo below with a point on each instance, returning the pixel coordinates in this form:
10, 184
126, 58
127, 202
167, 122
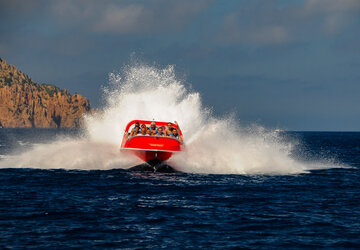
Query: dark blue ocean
117, 208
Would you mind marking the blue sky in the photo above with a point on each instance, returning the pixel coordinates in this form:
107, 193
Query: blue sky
293, 64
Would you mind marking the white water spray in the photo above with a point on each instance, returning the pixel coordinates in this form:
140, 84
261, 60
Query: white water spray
216, 146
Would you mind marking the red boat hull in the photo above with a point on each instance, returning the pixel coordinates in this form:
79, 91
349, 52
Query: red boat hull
147, 155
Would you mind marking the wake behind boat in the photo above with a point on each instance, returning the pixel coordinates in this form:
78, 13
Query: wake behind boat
154, 142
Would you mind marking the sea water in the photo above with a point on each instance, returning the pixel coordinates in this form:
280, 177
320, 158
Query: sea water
238, 186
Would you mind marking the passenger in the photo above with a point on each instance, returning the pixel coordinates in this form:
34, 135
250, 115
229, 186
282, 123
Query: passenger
153, 127
169, 129
135, 131
143, 126
143, 130
175, 134
148, 132
153, 133
160, 132
137, 124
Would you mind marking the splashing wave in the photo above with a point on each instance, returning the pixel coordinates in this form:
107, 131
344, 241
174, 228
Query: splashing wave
213, 145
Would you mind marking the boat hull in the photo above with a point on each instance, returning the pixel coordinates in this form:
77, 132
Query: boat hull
149, 148
148, 155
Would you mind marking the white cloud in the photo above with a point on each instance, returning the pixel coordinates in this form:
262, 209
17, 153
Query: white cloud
118, 19
70, 13
128, 17
253, 33
335, 14
331, 6
266, 23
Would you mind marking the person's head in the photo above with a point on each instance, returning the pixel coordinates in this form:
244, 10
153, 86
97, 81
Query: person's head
175, 132
169, 125
137, 124
148, 132
153, 125
137, 129
160, 130
143, 130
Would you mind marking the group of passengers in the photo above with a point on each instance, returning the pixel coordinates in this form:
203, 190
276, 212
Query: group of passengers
154, 130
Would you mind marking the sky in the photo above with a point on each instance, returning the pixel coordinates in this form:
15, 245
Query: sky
290, 64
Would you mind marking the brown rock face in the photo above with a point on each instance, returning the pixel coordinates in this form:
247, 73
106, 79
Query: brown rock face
26, 104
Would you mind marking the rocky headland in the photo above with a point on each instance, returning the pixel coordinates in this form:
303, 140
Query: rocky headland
26, 104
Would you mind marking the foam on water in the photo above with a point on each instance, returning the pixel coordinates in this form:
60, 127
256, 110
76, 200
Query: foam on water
213, 145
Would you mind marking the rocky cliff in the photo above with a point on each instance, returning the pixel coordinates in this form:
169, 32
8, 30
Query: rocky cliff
26, 104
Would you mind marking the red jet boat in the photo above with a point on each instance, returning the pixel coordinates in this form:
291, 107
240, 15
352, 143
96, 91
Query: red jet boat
151, 148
